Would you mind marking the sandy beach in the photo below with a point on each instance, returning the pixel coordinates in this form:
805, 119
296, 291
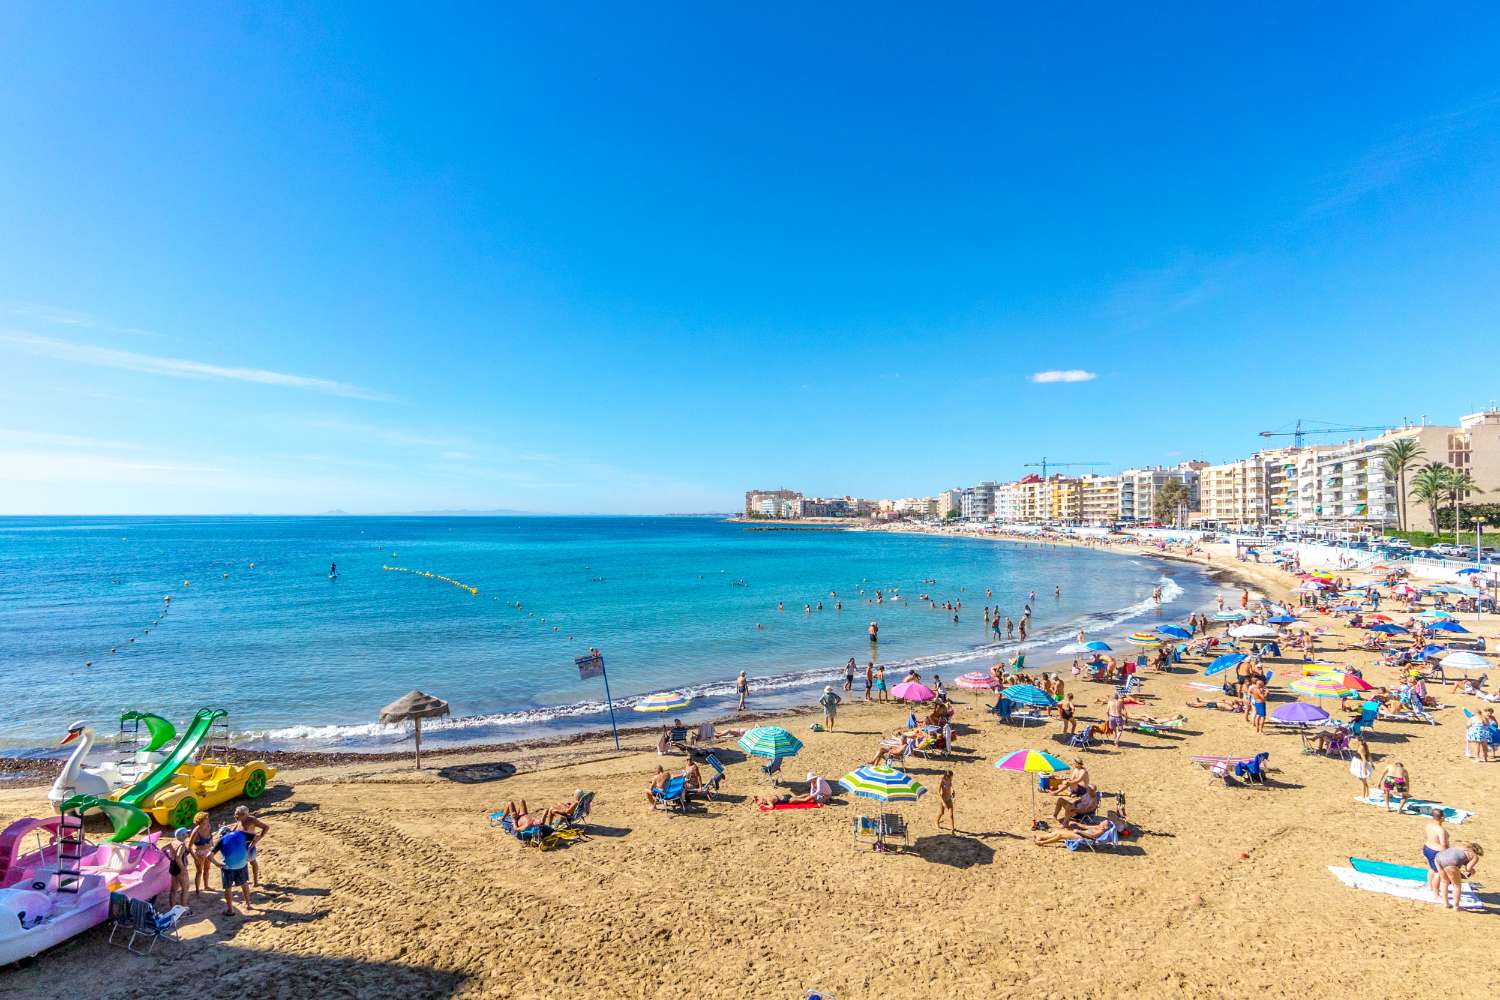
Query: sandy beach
383, 880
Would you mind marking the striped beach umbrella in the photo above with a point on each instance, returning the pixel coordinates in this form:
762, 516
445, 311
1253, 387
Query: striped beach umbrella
976, 681
1351, 681
1322, 686
1027, 694
1032, 762
770, 741
1230, 616
883, 784
1144, 638
663, 702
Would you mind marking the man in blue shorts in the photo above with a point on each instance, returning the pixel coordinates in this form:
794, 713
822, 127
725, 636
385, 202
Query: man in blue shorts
232, 846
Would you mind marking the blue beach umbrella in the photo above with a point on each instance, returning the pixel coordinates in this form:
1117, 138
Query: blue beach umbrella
1431, 649
1467, 570
770, 741
1175, 631
1027, 694
1281, 620
1097, 646
1226, 662
1447, 626
1230, 616
1389, 628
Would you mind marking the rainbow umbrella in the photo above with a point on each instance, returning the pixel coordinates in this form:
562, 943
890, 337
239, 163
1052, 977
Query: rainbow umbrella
1351, 681
1322, 686
912, 691
1144, 638
1032, 762
663, 702
770, 741
883, 784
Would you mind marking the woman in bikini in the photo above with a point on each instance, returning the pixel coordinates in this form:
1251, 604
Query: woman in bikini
202, 847
1066, 713
178, 862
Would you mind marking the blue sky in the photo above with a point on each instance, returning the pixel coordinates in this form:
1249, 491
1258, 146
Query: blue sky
639, 259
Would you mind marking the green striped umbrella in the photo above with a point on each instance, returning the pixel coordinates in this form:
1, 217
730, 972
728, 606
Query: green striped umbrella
770, 741
883, 784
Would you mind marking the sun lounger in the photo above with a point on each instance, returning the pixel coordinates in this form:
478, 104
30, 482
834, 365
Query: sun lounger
772, 768
1109, 838
1225, 767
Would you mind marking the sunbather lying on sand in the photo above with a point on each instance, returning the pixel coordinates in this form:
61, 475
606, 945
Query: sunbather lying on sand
1088, 831
523, 821
1160, 723
1218, 704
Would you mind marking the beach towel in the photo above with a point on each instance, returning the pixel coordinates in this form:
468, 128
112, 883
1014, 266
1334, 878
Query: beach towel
1404, 888
778, 806
1421, 807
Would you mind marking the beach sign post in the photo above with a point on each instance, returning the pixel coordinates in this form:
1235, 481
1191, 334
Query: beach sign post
592, 665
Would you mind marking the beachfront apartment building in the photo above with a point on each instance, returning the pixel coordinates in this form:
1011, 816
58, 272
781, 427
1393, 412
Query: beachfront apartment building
1008, 503
1346, 485
1098, 500
1138, 489
977, 503
1249, 492
950, 502
773, 503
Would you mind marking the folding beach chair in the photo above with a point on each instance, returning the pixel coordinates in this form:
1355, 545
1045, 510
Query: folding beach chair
677, 737
674, 795
579, 817
143, 921
893, 826
772, 768
1080, 739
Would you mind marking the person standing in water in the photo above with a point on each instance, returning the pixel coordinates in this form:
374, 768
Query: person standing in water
874, 633
849, 675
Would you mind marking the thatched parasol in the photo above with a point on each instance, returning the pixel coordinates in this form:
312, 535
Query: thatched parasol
416, 706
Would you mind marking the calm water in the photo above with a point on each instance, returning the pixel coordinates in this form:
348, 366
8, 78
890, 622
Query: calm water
303, 660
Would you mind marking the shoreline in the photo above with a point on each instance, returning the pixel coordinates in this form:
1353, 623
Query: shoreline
35, 766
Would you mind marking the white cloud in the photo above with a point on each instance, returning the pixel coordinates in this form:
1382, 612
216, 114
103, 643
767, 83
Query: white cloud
108, 357
1062, 375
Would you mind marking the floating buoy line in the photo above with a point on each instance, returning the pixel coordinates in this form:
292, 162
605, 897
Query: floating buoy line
432, 576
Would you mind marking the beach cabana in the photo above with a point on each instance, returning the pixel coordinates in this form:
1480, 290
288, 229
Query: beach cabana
414, 706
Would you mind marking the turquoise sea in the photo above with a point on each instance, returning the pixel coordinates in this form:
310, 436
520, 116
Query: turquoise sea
256, 624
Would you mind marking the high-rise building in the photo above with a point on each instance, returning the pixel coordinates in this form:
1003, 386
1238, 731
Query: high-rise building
773, 503
977, 503
1098, 500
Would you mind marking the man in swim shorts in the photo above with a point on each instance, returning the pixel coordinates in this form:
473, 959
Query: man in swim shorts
1436, 841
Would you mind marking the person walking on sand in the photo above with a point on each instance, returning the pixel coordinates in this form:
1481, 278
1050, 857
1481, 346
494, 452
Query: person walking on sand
945, 803
1115, 717
1434, 843
849, 675
830, 702
869, 679
742, 689
1258, 704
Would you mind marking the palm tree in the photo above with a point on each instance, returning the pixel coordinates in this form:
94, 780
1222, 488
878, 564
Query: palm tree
1459, 483
1430, 486
1398, 456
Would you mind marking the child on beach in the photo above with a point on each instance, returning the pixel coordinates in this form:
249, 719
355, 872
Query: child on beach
1361, 766
869, 678
179, 858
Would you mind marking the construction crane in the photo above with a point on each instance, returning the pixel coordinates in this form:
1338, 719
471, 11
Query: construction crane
1045, 465
1301, 432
